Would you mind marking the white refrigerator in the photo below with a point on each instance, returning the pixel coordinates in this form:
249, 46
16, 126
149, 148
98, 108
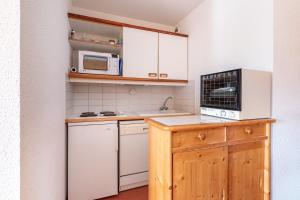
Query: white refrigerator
92, 160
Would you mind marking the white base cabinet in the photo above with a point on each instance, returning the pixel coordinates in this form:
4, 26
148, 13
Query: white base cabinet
92, 160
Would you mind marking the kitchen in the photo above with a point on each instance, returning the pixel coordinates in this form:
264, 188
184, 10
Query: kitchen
157, 100
114, 87
117, 91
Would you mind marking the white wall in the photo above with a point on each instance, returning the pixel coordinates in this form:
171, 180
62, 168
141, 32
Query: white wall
44, 58
83, 11
10, 100
229, 34
286, 101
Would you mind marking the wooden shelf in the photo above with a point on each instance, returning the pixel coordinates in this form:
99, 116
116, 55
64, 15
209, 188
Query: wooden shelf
120, 24
97, 78
102, 46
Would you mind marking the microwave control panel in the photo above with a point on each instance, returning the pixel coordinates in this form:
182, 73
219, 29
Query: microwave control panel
227, 114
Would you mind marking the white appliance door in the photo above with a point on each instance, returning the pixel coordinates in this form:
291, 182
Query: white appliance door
133, 149
92, 161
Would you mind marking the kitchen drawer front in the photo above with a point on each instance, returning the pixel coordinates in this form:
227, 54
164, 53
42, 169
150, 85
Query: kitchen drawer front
246, 132
198, 138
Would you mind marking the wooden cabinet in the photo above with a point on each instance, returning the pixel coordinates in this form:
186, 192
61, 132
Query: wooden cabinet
246, 171
140, 53
200, 174
228, 162
173, 57
246, 132
198, 138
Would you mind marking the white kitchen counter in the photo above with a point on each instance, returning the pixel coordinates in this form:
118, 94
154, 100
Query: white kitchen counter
126, 116
189, 120
195, 122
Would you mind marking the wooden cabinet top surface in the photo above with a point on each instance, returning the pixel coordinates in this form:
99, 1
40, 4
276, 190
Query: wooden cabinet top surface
194, 122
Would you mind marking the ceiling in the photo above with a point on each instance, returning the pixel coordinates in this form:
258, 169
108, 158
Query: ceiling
167, 12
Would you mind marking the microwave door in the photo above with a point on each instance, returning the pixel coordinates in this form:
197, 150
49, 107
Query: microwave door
95, 63
221, 90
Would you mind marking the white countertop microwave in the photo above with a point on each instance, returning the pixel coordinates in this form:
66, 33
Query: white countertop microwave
236, 94
98, 63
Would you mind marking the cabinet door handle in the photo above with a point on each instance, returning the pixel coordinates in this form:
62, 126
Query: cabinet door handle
152, 74
223, 194
163, 75
248, 131
202, 137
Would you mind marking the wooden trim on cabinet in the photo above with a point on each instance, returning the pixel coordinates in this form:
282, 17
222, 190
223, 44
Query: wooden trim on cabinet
267, 164
120, 24
120, 78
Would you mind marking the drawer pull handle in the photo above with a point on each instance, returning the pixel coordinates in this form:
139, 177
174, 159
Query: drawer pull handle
248, 131
202, 137
163, 75
152, 74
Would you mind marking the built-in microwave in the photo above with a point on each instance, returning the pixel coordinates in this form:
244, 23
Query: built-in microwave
98, 63
236, 94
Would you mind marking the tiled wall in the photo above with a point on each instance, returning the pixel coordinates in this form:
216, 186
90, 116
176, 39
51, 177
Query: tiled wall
185, 98
118, 98
83, 97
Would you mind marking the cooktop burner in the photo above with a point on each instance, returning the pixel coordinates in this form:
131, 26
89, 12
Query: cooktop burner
88, 114
108, 113
93, 114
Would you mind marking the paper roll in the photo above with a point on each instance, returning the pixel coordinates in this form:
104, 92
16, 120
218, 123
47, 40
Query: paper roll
73, 69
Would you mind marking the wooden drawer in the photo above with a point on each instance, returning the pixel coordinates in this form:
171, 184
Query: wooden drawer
246, 132
198, 138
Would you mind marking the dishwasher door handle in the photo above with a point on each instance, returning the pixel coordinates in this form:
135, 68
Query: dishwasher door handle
134, 129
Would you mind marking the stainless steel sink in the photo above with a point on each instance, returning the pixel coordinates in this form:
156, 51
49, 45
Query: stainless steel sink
164, 112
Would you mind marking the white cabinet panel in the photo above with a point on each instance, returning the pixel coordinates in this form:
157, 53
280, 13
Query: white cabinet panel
92, 161
173, 57
140, 53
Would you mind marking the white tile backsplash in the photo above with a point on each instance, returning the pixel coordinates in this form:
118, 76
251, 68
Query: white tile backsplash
185, 98
126, 98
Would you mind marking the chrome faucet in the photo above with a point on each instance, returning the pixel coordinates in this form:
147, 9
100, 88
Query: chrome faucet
164, 106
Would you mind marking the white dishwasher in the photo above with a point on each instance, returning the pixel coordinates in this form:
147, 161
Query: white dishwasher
92, 160
133, 154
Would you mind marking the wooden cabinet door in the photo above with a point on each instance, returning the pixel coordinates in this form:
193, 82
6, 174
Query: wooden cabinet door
140, 53
200, 175
246, 171
173, 57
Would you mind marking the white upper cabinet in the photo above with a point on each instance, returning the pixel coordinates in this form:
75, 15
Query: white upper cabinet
140, 53
173, 57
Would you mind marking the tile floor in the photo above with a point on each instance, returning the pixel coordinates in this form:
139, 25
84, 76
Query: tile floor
134, 194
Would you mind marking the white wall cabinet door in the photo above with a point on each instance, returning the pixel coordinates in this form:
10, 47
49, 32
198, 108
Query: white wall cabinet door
140, 53
173, 57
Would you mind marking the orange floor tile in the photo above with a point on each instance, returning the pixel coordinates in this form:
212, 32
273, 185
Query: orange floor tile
134, 194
